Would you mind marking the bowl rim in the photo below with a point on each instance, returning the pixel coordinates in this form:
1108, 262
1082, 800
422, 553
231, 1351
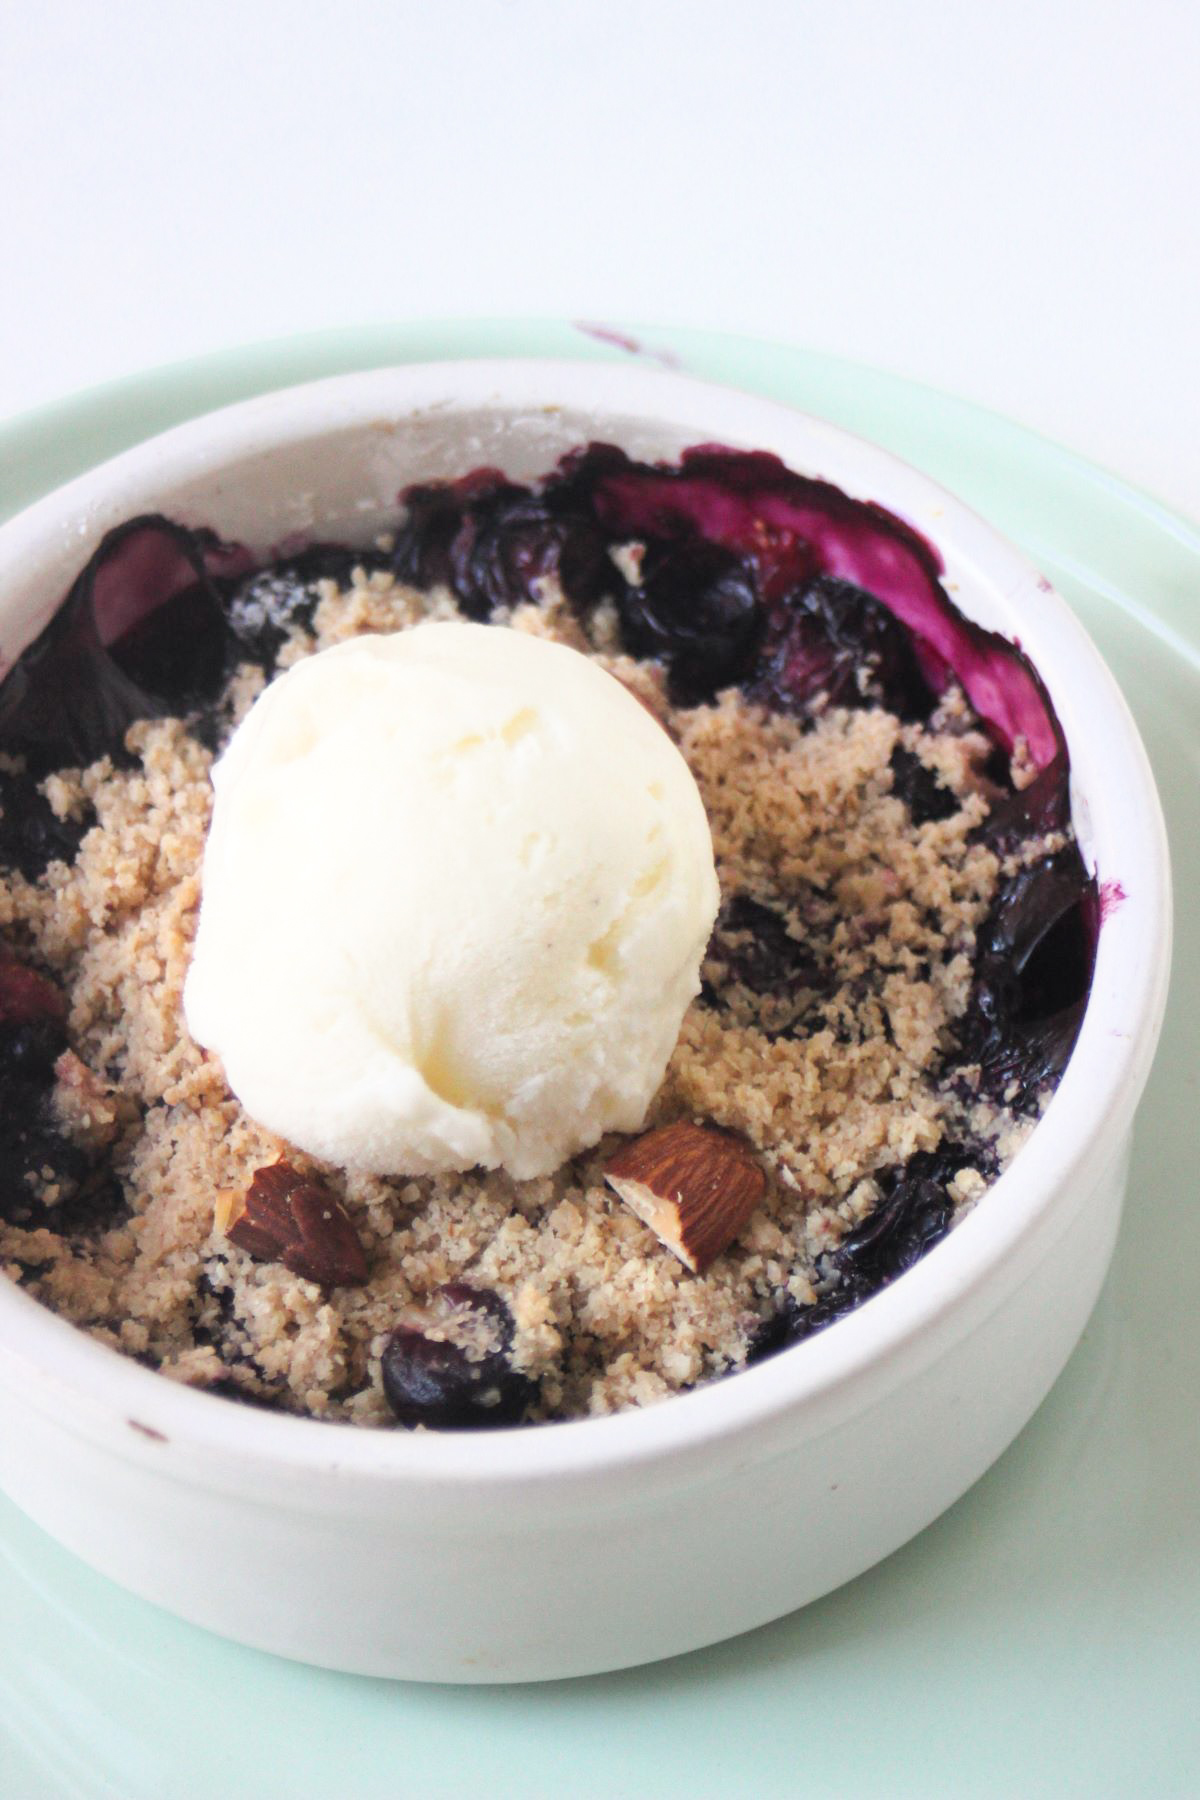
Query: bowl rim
60, 1367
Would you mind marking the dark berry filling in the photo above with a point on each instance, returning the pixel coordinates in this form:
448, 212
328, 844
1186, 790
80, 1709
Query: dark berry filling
31, 835
490, 541
789, 531
758, 970
451, 1370
749, 574
758, 950
832, 643
1033, 968
1019, 814
912, 1216
925, 796
697, 607
142, 634
267, 604
45, 1178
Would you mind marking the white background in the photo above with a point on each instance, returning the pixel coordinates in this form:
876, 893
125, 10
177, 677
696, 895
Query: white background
1001, 199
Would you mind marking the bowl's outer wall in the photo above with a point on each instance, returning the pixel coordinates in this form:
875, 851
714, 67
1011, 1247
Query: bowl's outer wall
565, 1587
619, 1561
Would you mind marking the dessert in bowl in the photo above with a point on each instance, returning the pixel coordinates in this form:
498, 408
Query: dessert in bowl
440, 1510
611, 807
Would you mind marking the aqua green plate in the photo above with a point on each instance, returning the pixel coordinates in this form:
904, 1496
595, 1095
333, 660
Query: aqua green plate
1043, 1637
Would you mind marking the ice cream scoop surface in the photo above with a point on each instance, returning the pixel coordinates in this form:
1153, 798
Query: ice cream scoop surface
456, 892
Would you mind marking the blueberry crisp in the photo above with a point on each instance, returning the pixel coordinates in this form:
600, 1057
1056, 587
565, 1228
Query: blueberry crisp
893, 986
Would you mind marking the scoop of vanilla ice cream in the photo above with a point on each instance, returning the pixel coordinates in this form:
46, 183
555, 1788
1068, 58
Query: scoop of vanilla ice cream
456, 892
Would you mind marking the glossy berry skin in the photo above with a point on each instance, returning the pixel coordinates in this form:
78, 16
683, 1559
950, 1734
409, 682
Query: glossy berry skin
697, 607
908, 1221
491, 541
1030, 811
1033, 969
141, 634
440, 1384
833, 640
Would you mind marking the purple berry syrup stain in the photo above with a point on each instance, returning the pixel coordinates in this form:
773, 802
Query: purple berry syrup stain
622, 340
1112, 896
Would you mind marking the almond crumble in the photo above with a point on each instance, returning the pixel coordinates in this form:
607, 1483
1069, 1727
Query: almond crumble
836, 1077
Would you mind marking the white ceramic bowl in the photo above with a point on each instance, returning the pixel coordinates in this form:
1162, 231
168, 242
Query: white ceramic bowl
524, 1554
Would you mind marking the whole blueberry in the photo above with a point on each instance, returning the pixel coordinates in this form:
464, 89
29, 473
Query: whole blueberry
697, 607
834, 639
268, 603
1033, 969
449, 1368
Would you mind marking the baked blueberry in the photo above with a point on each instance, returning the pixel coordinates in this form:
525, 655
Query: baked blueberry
913, 1215
697, 607
141, 634
491, 542
450, 1368
267, 604
32, 836
1033, 969
756, 949
924, 794
832, 641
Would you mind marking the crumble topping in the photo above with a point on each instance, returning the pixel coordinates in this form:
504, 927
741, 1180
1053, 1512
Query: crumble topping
837, 1076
